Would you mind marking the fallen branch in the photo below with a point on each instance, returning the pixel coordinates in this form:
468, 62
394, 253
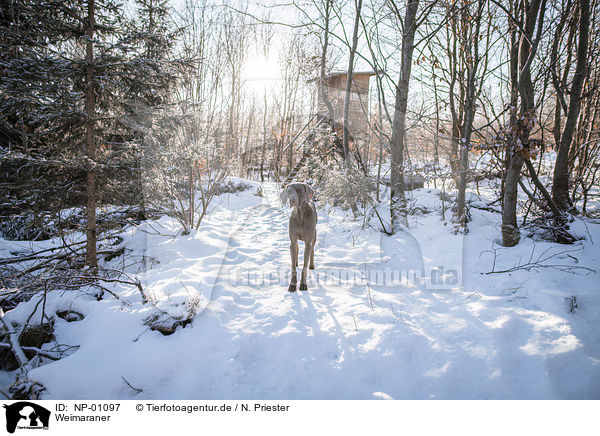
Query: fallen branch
560, 232
14, 341
530, 195
485, 208
36, 255
538, 263
35, 350
536, 181
136, 283
43, 264
138, 390
535, 266
380, 220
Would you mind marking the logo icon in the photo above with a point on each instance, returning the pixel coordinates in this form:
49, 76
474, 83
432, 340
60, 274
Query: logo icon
26, 415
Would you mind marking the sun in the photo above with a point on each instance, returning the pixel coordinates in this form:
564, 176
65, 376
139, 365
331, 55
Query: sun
260, 73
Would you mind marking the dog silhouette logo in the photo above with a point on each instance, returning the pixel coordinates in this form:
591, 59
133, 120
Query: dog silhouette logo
26, 415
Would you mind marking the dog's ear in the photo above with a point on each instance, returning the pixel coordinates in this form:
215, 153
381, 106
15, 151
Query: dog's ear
283, 195
310, 193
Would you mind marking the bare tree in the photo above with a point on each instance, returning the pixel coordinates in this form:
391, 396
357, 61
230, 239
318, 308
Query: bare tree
585, 149
474, 67
323, 97
397, 145
350, 79
90, 128
560, 185
524, 17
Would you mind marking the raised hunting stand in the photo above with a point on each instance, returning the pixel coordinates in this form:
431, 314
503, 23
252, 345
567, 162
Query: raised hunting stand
358, 116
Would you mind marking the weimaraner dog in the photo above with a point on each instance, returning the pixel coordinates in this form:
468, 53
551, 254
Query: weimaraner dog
303, 227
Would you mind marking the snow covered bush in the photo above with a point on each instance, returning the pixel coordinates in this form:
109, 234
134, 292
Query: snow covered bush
338, 185
182, 171
231, 187
28, 227
167, 316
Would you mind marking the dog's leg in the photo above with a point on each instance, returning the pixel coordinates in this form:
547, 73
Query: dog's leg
294, 256
312, 253
307, 251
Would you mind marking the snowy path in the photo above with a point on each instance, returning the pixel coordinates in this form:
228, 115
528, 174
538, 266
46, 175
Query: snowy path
316, 344
344, 338
356, 341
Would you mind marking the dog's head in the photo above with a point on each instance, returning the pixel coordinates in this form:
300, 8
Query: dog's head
296, 193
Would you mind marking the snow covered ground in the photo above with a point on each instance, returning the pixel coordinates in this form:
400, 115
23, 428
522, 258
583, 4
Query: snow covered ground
366, 328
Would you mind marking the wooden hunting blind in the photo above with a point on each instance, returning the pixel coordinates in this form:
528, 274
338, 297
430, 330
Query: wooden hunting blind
358, 110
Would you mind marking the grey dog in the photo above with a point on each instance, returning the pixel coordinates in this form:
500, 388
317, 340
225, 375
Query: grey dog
303, 227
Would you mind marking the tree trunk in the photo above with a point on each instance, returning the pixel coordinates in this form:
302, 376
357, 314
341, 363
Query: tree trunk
380, 139
247, 152
323, 97
399, 123
470, 41
455, 111
264, 144
349, 80
510, 230
436, 138
560, 184
90, 125
463, 165
524, 86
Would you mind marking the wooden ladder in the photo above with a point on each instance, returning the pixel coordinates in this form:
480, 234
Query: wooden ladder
305, 151
290, 177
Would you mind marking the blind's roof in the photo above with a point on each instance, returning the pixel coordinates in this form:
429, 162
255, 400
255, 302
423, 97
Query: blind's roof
345, 73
